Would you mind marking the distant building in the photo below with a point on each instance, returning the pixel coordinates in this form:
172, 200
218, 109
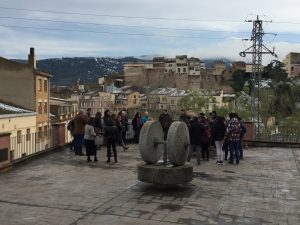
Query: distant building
194, 66
292, 64
63, 110
166, 98
239, 65
28, 87
129, 100
181, 64
97, 102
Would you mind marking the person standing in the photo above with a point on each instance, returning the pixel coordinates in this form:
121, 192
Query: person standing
196, 130
145, 117
165, 121
111, 135
218, 134
120, 129
205, 137
79, 128
184, 117
137, 126
89, 140
233, 134
124, 123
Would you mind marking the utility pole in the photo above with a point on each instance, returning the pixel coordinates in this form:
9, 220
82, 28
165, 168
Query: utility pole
256, 50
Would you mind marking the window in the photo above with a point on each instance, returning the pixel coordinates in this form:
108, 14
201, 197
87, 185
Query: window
45, 107
184, 70
40, 110
40, 85
178, 70
19, 136
40, 133
45, 85
28, 134
45, 131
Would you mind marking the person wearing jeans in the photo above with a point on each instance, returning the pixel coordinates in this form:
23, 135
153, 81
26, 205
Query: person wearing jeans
233, 133
79, 129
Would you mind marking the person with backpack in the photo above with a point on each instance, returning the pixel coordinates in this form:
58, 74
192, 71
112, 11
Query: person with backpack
79, 126
165, 121
233, 135
205, 137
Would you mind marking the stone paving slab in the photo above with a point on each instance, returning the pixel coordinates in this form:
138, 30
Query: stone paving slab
61, 188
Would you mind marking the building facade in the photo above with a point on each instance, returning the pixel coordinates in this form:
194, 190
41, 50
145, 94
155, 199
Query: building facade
28, 87
292, 64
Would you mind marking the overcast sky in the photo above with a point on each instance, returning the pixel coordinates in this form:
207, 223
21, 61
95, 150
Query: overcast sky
204, 29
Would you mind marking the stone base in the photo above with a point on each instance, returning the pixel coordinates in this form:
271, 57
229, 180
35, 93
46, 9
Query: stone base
165, 175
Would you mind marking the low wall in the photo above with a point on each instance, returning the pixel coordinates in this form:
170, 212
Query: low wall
5, 157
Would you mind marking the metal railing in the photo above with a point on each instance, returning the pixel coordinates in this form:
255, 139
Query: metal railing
26, 145
282, 134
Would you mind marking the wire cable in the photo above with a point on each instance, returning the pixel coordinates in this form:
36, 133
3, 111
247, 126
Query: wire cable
116, 33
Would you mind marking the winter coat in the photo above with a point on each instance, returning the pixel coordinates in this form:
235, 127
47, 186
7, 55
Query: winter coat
218, 130
196, 131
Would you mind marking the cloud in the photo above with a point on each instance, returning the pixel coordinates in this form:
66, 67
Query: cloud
228, 15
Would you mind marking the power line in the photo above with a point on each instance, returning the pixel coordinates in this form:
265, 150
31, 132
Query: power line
116, 33
121, 16
121, 25
138, 17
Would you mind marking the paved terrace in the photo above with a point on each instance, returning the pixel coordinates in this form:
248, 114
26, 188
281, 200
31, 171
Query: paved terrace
60, 188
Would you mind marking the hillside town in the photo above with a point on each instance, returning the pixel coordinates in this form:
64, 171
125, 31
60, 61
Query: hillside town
30, 106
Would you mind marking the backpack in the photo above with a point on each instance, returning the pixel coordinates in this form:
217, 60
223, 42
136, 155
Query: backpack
207, 132
244, 129
70, 125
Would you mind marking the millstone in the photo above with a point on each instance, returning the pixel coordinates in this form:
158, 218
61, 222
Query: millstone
178, 141
150, 135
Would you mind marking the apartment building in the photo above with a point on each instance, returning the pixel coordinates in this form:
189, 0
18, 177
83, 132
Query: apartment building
181, 64
194, 66
166, 98
292, 64
28, 87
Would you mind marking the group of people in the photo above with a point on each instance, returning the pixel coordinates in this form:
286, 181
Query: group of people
86, 129
214, 130
204, 131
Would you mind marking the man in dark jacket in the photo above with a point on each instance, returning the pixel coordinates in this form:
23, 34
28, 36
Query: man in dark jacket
111, 135
165, 121
196, 130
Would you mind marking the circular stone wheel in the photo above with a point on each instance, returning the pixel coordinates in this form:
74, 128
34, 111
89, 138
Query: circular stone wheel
151, 132
178, 143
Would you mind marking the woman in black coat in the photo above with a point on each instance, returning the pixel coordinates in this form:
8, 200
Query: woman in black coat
218, 132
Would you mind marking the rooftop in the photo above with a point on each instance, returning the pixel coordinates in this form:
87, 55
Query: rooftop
59, 188
8, 108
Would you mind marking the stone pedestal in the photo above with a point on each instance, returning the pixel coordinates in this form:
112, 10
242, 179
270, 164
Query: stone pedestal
5, 156
165, 174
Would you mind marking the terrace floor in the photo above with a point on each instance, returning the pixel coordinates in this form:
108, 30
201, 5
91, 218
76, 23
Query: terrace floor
60, 188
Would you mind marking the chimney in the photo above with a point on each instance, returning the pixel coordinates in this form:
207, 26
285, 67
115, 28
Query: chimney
31, 59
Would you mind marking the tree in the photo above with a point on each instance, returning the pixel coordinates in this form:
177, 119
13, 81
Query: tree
274, 70
239, 79
194, 102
